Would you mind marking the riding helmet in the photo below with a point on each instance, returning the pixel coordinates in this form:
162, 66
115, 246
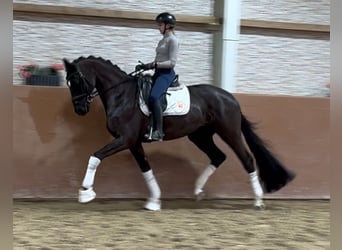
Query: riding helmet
166, 18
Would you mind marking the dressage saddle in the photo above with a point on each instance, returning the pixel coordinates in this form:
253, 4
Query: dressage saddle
145, 83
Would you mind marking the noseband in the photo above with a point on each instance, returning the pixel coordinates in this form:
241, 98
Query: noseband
86, 93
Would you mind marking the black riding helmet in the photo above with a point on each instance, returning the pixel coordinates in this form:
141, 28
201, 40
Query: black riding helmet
166, 18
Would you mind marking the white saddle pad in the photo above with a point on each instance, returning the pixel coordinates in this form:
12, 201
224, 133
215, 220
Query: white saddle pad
178, 102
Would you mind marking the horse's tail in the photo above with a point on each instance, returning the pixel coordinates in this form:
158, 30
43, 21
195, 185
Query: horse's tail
271, 171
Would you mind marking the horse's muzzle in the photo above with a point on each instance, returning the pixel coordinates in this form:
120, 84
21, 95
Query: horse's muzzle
81, 109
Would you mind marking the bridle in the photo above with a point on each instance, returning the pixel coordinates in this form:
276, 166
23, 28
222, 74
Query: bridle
91, 94
86, 93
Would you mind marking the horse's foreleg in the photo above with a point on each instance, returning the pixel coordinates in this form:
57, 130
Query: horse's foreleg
87, 193
153, 203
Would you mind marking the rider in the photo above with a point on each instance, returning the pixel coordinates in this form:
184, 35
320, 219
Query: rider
163, 64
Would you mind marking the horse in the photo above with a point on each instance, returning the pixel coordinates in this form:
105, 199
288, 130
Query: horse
212, 110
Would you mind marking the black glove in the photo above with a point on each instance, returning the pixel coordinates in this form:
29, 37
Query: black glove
139, 67
144, 66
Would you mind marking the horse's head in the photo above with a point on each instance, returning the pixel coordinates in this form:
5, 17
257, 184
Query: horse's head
81, 87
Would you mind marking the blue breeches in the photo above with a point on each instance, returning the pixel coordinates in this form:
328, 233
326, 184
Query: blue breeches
163, 79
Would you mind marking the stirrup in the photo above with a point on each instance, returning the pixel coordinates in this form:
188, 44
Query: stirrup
148, 135
157, 136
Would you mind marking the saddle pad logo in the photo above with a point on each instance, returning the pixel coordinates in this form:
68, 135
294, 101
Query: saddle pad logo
180, 106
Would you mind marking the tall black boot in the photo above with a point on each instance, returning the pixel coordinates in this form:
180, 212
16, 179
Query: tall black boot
157, 134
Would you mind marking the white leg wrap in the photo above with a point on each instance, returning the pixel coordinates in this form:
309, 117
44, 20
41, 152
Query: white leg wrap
203, 178
88, 180
258, 192
88, 194
153, 202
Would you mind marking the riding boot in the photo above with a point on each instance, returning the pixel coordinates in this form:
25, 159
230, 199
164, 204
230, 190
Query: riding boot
157, 134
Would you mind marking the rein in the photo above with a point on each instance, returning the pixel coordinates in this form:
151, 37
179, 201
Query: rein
112, 87
90, 96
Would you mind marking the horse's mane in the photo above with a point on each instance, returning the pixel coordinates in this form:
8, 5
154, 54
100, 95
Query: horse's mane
81, 58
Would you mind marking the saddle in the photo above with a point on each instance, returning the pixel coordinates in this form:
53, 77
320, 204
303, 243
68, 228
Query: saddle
145, 83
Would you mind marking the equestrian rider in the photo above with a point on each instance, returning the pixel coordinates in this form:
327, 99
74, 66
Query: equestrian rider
163, 64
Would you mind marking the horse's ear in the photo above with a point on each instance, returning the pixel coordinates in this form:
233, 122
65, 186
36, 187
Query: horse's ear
67, 64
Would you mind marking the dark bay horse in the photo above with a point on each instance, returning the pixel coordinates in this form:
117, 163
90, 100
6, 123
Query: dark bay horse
212, 111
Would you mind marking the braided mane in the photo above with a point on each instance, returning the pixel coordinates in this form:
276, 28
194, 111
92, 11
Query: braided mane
81, 58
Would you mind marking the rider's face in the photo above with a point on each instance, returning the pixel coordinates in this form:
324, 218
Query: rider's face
162, 27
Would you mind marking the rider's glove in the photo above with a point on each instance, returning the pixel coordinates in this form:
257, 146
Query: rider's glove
144, 66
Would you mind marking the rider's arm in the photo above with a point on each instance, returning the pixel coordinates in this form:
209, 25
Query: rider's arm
173, 55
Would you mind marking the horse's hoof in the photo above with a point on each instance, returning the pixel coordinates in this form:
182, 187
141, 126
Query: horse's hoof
87, 195
200, 196
153, 205
259, 205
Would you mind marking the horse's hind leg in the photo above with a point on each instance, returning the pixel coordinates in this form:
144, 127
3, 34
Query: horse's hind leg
234, 140
203, 139
248, 163
153, 203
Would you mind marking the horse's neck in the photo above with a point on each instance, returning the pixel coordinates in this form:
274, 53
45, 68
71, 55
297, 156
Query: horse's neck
117, 95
